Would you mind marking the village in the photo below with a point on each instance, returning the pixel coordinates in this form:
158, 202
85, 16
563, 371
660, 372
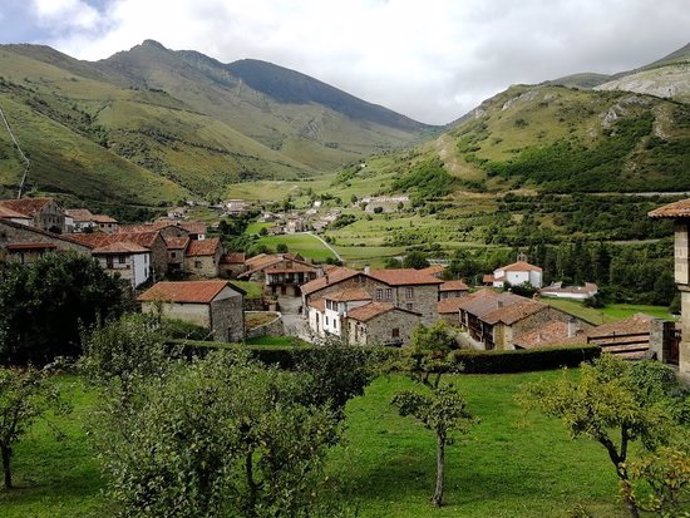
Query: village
176, 262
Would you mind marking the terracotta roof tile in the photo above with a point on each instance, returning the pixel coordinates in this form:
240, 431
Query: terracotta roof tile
448, 306
318, 304
202, 248
678, 209
176, 243
553, 333
100, 239
434, 269
513, 312
103, 218
349, 295
520, 266
18, 247
27, 206
201, 292
333, 276
120, 247
79, 215
7, 213
454, 286
488, 278
404, 277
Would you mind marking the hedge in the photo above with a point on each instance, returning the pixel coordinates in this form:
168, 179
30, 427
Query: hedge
472, 362
524, 360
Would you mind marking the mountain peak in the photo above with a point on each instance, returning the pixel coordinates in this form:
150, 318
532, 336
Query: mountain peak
153, 43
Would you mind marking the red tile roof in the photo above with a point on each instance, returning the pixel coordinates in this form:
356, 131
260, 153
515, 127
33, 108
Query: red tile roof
404, 277
176, 243
349, 295
488, 278
333, 276
121, 247
374, 309
233, 258
553, 333
520, 266
197, 292
100, 239
513, 312
449, 305
203, 248
434, 269
18, 247
454, 286
318, 304
103, 218
7, 213
79, 215
492, 307
27, 206
678, 209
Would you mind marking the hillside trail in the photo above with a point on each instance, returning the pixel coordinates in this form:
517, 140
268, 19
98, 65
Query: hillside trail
444, 148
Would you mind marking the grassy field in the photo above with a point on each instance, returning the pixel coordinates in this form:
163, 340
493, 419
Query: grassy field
254, 290
513, 464
610, 313
306, 245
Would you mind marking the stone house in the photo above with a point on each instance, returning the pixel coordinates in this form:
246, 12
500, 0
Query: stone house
202, 257
25, 243
449, 310
381, 323
232, 265
515, 274
169, 228
213, 304
494, 320
327, 315
14, 216
132, 262
106, 223
45, 213
281, 274
453, 289
176, 247
79, 220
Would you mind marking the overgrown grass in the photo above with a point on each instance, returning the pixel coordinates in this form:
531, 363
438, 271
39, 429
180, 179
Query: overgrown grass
610, 313
254, 290
306, 245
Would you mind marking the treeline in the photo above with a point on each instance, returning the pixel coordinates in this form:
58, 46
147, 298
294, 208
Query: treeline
641, 274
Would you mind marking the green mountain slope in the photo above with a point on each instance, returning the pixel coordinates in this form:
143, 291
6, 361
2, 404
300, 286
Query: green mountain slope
180, 119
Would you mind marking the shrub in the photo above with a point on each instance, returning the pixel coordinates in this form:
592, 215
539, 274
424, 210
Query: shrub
497, 362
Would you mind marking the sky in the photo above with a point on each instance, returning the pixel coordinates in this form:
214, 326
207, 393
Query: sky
432, 60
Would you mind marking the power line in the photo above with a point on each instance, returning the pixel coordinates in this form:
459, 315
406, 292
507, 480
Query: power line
27, 162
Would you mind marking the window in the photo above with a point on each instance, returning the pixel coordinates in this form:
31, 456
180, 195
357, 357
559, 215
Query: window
197, 264
409, 306
173, 254
121, 259
326, 320
389, 293
379, 294
395, 332
109, 262
409, 293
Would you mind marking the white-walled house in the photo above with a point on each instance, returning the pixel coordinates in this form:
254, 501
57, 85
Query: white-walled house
130, 260
557, 290
337, 306
516, 274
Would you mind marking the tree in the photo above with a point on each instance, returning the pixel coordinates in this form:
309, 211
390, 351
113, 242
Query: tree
44, 305
392, 262
282, 248
222, 436
612, 399
443, 411
426, 355
416, 260
25, 395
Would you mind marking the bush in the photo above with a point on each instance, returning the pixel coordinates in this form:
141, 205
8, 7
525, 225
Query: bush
175, 328
498, 362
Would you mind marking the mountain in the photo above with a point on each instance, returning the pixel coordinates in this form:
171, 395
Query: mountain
174, 123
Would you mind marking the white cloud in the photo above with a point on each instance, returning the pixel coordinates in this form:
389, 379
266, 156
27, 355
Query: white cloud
432, 60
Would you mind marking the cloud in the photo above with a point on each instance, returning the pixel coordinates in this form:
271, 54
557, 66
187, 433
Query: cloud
432, 60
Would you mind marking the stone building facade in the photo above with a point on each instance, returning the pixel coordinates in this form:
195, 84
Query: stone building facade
12, 233
382, 324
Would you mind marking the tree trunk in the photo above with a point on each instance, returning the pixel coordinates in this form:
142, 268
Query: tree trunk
6, 458
437, 499
251, 484
627, 492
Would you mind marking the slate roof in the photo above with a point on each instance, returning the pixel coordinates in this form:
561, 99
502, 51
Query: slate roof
404, 277
203, 248
677, 209
195, 292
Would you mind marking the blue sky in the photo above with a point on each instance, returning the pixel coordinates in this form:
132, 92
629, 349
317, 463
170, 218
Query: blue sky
432, 60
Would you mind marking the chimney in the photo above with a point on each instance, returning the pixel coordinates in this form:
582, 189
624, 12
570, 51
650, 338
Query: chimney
367, 269
499, 303
573, 326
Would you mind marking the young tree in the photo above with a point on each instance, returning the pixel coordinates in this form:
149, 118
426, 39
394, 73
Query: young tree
25, 394
614, 403
444, 412
282, 248
425, 360
416, 260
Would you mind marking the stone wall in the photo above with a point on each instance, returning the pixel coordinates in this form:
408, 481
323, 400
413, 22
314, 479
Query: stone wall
197, 314
378, 330
273, 328
227, 316
206, 266
17, 233
504, 335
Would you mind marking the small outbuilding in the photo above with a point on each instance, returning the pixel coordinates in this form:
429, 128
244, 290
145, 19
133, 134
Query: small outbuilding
214, 304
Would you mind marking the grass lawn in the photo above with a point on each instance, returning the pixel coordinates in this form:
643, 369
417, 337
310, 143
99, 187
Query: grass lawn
275, 341
255, 290
512, 464
306, 245
610, 313
255, 227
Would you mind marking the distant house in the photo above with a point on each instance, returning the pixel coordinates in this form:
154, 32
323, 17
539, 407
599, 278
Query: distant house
83, 220
202, 257
214, 304
127, 259
449, 310
515, 274
294, 225
237, 207
105, 223
557, 290
176, 248
14, 216
176, 213
44, 213
194, 229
